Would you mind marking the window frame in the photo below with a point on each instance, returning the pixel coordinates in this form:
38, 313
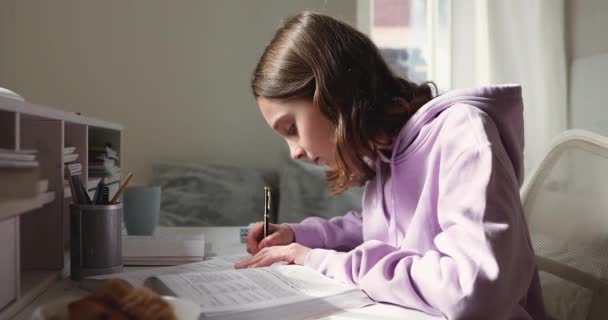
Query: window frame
441, 76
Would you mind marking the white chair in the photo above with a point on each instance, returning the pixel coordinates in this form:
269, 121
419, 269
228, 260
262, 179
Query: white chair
566, 203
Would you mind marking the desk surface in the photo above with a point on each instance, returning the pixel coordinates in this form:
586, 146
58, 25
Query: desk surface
226, 241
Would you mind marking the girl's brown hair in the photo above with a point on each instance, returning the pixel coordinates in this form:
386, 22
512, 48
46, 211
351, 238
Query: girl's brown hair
313, 56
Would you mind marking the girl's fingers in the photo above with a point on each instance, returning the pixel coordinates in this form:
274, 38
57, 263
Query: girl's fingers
254, 237
265, 261
270, 241
264, 257
272, 227
252, 247
246, 263
256, 231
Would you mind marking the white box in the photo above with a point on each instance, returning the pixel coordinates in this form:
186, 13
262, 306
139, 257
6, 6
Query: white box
169, 245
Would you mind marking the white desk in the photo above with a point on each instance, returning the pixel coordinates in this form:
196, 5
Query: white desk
226, 241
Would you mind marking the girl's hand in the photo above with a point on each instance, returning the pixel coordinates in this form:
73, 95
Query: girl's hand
278, 235
292, 253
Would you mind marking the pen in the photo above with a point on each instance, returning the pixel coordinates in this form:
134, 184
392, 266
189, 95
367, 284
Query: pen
266, 210
99, 190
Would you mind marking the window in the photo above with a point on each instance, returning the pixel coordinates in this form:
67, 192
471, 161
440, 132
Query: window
412, 35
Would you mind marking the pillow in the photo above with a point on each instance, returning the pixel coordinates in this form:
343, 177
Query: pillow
304, 192
210, 195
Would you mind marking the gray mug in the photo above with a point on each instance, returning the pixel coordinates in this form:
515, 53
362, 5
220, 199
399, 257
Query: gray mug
141, 209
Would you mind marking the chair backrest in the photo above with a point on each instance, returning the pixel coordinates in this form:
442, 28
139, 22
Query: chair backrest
566, 204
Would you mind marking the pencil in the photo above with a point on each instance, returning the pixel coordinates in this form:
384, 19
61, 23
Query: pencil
122, 188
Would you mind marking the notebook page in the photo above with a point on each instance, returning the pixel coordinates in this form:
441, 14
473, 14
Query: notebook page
251, 289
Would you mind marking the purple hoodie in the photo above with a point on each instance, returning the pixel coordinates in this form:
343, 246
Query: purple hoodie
442, 228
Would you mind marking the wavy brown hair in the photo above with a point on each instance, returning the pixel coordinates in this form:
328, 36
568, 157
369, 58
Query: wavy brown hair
314, 56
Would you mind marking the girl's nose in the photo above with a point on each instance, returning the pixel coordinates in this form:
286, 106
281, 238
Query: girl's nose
296, 153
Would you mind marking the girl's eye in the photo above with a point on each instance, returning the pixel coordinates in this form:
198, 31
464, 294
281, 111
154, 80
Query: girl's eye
292, 130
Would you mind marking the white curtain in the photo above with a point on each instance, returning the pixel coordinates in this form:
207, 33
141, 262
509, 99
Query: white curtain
516, 41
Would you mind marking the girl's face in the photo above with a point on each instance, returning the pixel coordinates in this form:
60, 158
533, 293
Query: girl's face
308, 133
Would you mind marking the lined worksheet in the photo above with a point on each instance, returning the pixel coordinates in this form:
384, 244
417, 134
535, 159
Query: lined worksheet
255, 288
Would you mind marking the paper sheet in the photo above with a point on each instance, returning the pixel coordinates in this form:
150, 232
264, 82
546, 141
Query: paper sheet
250, 289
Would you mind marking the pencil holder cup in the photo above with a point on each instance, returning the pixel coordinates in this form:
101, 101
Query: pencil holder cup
95, 240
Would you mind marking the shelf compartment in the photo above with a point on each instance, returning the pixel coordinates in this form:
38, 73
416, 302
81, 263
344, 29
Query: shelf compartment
33, 284
42, 230
9, 261
8, 130
99, 137
11, 208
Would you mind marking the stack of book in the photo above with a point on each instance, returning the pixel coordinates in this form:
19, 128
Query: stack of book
19, 175
103, 162
73, 168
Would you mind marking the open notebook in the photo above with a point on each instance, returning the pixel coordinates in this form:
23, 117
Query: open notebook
275, 292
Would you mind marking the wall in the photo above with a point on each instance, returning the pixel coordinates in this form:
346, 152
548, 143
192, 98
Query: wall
587, 48
174, 73
586, 28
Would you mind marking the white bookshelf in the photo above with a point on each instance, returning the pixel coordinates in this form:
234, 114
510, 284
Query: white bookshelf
34, 233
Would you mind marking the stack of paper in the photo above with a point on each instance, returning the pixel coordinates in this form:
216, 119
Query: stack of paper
166, 247
18, 159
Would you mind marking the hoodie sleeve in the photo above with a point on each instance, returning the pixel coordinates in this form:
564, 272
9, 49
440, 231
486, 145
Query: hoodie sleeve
482, 263
339, 233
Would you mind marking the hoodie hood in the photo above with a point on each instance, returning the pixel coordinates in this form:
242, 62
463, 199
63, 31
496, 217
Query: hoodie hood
502, 103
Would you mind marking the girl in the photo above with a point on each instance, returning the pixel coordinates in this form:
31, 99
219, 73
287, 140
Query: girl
442, 228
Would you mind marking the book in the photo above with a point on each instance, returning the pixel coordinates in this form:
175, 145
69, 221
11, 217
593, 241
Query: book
68, 150
276, 292
74, 168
